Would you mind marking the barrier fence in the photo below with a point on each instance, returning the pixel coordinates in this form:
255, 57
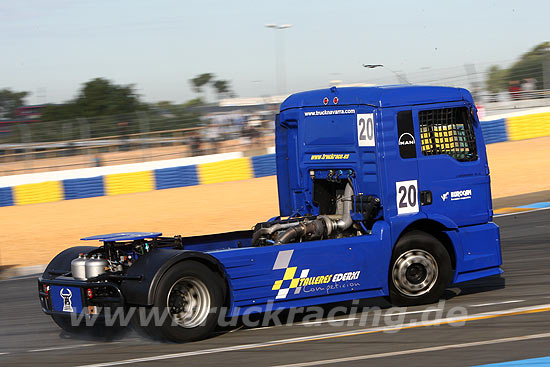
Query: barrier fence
159, 175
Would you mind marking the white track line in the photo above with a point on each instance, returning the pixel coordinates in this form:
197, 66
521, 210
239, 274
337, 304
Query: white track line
341, 320
258, 328
498, 303
412, 312
61, 348
326, 321
420, 350
3, 353
449, 320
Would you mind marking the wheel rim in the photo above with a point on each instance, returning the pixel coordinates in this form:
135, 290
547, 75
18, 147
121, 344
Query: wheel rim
188, 302
415, 273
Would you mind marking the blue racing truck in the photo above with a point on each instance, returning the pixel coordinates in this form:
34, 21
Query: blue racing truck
383, 191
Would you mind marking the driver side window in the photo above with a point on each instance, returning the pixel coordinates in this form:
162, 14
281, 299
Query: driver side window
448, 131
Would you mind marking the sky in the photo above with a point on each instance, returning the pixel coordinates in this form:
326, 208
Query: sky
51, 47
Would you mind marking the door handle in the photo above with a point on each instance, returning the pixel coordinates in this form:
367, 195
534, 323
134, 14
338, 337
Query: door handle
426, 197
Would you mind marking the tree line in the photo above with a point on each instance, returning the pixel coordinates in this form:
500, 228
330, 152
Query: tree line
529, 66
101, 97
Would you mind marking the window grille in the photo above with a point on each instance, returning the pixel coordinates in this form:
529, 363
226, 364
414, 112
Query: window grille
448, 131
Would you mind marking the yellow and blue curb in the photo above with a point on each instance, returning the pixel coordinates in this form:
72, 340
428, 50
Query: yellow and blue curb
515, 128
140, 181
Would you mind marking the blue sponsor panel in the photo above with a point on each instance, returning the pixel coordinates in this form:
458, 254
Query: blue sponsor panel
6, 196
264, 165
66, 299
80, 188
296, 275
494, 131
169, 178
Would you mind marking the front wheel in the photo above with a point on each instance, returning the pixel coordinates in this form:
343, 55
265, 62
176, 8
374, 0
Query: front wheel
420, 270
188, 301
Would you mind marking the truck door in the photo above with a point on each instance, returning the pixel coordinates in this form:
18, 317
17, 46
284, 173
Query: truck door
452, 164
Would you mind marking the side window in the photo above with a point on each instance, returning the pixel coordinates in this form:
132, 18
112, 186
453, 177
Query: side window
448, 131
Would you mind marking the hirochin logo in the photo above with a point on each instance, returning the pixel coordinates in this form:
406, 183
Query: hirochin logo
457, 195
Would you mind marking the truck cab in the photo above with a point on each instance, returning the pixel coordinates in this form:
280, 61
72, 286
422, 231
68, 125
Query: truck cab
418, 149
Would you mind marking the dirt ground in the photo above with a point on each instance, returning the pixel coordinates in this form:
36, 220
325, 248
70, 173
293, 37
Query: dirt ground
519, 167
33, 234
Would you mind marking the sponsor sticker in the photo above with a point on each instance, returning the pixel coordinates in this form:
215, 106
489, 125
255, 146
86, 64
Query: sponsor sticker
329, 156
292, 280
66, 299
457, 195
407, 197
329, 112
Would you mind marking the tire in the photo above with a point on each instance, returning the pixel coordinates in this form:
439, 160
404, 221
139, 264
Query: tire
99, 329
189, 297
64, 322
420, 270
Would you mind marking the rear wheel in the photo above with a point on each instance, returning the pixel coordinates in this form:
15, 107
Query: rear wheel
64, 322
188, 301
97, 329
420, 270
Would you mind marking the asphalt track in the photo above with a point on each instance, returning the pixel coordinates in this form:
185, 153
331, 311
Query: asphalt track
501, 319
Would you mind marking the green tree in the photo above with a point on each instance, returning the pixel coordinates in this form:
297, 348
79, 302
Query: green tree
497, 79
57, 112
100, 97
195, 102
97, 97
530, 65
221, 87
9, 101
200, 81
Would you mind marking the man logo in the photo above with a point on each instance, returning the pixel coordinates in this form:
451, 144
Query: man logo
67, 304
406, 139
445, 196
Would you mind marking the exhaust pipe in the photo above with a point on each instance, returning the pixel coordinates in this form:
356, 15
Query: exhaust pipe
323, 226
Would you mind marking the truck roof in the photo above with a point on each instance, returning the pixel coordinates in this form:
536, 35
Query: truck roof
379, 96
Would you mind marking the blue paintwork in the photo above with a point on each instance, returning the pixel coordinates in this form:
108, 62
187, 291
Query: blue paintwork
384, 96
475, 239
122, 236
315, 272
251, 275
